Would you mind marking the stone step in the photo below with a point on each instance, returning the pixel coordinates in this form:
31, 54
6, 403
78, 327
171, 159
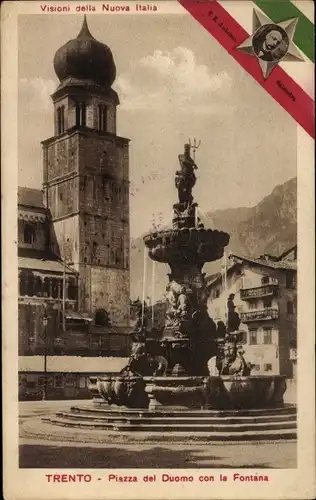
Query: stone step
191, 427
143, 412
177, 420
181, 436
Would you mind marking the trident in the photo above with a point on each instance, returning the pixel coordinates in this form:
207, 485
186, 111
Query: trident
196, 144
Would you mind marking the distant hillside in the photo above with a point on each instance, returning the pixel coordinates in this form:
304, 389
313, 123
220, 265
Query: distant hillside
269, 227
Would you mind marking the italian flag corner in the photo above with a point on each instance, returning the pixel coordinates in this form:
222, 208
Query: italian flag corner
273, 40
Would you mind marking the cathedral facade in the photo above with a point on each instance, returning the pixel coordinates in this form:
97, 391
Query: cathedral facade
74, 233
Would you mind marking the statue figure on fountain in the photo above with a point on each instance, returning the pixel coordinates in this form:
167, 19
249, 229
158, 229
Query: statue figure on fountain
178, 302
183, 303
185, 178
144, 363
233, 320
229, 360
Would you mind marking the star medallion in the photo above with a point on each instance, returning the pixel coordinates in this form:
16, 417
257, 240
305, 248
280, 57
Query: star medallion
271, 42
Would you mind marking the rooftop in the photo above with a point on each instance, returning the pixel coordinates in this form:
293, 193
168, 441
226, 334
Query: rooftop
72, 364
29, 197
266, 261
38, 264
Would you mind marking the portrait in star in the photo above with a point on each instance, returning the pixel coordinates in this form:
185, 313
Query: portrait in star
270, 43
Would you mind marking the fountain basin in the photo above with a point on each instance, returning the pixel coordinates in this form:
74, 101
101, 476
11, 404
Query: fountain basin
201, 245
261, 391
226, 392
120, 390
176, 392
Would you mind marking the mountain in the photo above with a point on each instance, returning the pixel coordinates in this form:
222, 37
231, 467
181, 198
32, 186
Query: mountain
268, 227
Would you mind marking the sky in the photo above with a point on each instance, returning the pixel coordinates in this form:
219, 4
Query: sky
174, 82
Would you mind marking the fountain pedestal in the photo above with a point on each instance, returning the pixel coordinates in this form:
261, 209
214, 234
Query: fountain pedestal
176, 393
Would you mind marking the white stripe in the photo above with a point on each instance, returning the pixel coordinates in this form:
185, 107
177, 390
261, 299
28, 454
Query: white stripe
306, 7
301, 72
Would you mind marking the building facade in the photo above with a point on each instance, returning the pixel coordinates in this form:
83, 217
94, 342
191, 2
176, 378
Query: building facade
73, 235
265, 299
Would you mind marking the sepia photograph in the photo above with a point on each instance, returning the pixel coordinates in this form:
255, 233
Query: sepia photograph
157, 246
170, 308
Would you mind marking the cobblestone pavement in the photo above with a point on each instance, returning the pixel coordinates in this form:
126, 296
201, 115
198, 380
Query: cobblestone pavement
44, 454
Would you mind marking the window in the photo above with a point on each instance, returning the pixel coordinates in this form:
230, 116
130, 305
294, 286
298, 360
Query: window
94, 341
290, 281
267, 367
31, 381
61, 120
267, 303
267, 336
30, 285
94, 251
58, 381
29, 234
38, 286
80, 114
22, 282
46, 287
253, 340
55, 291
290, 307
242, 337
103, 118
257, 368
82, 382
101, 317
265, 280
72, 289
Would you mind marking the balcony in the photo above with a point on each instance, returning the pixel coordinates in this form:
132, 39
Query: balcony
262, 315
268, 290
293, 354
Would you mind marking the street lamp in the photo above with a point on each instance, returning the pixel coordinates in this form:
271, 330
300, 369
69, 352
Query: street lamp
45, 323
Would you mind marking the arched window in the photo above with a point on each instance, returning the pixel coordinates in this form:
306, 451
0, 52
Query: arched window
30, 285
54, 288
101, 317
94, 251
102, 117
46, 287
60, 120
22, 283
38, 286
29, 234
81, 114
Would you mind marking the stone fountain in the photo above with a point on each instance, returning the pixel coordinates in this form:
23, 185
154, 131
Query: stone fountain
175, 371
193, 381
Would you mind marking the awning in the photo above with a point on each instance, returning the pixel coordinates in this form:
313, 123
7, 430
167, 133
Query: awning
76, 316
45, 265
72, 364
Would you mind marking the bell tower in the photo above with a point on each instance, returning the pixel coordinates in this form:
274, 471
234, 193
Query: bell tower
86, 176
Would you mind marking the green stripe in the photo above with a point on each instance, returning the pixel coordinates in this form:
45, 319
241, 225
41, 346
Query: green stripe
281, 10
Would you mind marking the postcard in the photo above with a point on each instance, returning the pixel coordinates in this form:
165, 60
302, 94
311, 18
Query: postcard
158, 256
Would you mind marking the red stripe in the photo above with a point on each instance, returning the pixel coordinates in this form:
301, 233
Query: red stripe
301, 109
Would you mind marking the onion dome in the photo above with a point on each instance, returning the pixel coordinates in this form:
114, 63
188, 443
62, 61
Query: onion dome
85, 58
